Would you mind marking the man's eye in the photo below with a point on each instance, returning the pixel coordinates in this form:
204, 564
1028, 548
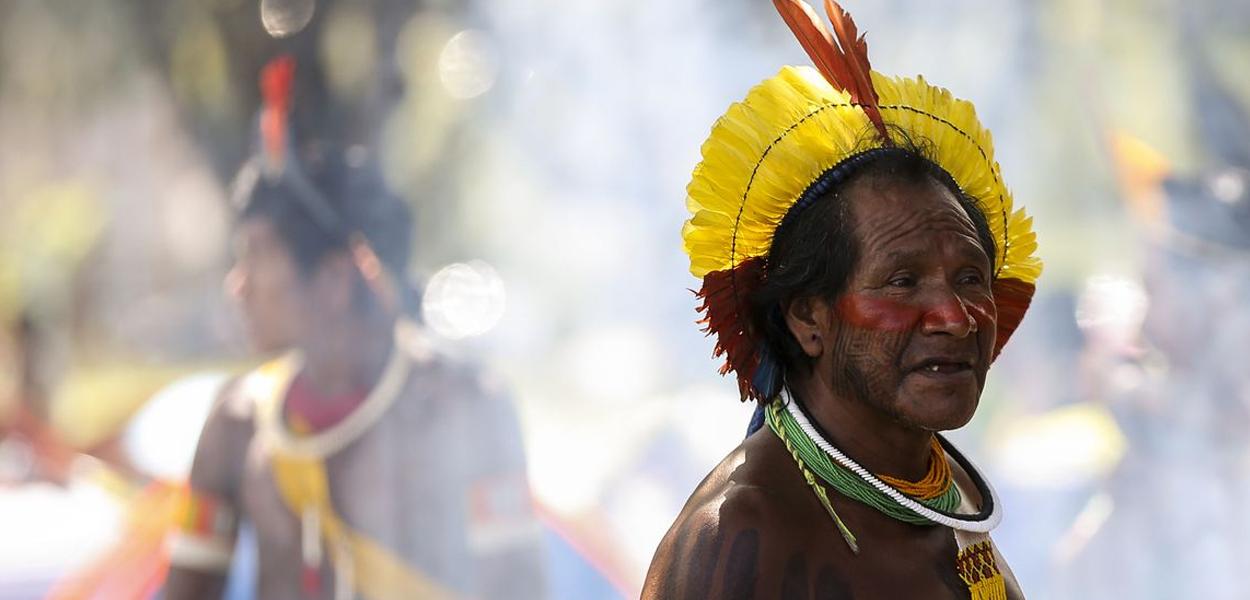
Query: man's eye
902, 281
971, 279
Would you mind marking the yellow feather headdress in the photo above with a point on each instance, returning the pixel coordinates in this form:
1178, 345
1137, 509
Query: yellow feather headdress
766, 151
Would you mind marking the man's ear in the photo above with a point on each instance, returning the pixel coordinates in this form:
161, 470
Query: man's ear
809, 321
335, 283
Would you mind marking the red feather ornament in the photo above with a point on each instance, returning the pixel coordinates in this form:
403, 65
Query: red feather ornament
1012, 298
725, 296
276, 81
842, 60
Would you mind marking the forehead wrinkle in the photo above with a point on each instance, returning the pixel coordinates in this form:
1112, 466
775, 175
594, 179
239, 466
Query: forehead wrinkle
927, 219
904, 192
972, 250
966, 248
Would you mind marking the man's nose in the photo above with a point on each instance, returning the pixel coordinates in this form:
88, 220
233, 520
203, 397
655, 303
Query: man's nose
946, 313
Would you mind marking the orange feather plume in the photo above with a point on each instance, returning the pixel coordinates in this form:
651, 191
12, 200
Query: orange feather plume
843, 60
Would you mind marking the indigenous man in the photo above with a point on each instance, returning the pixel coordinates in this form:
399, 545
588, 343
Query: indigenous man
862, 265
369, 466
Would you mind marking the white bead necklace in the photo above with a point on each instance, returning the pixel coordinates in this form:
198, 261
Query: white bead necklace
982, 523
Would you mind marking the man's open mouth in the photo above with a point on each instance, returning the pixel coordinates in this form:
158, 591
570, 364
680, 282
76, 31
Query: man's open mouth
943, 366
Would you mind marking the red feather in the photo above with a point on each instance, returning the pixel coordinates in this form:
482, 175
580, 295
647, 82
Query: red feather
276, 81
725, 295
855, 52
842, 60
1012, 297
814, 37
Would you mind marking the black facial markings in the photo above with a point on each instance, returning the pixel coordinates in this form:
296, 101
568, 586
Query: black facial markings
742, 566
855, 349
853, 383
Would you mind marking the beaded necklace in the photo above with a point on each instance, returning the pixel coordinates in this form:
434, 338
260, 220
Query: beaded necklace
930, 501
812, 451
846, 482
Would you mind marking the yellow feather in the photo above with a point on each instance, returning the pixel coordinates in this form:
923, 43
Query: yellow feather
766, 150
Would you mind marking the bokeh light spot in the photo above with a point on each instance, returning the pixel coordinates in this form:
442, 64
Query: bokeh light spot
467, 65
284, 18
464, 300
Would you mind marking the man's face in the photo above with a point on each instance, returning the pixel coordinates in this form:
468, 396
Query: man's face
914, 330
266, 283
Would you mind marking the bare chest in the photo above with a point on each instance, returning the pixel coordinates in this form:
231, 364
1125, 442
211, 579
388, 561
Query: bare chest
387, 486
922, 567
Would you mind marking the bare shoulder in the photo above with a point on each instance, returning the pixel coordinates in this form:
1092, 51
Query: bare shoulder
227, 432
443, 387
735, 533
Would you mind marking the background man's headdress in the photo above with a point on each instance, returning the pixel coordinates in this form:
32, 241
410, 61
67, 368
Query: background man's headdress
765, 153
277, 162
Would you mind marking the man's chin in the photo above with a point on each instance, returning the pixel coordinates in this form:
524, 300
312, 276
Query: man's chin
941, 409
266, 345
944, 421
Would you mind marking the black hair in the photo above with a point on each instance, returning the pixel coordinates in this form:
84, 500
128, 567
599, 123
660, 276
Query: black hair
815, 249
319, 201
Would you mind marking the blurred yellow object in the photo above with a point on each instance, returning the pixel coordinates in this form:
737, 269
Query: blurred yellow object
1064, 447
1140, 170
94, 403
376, 572
44, 235
199, 70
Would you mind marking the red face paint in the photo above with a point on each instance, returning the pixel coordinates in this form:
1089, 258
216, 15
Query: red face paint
947, 314
882, 314
983, 311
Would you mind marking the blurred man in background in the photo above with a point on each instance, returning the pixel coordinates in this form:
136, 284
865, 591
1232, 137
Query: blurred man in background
369, 465
1168, 521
